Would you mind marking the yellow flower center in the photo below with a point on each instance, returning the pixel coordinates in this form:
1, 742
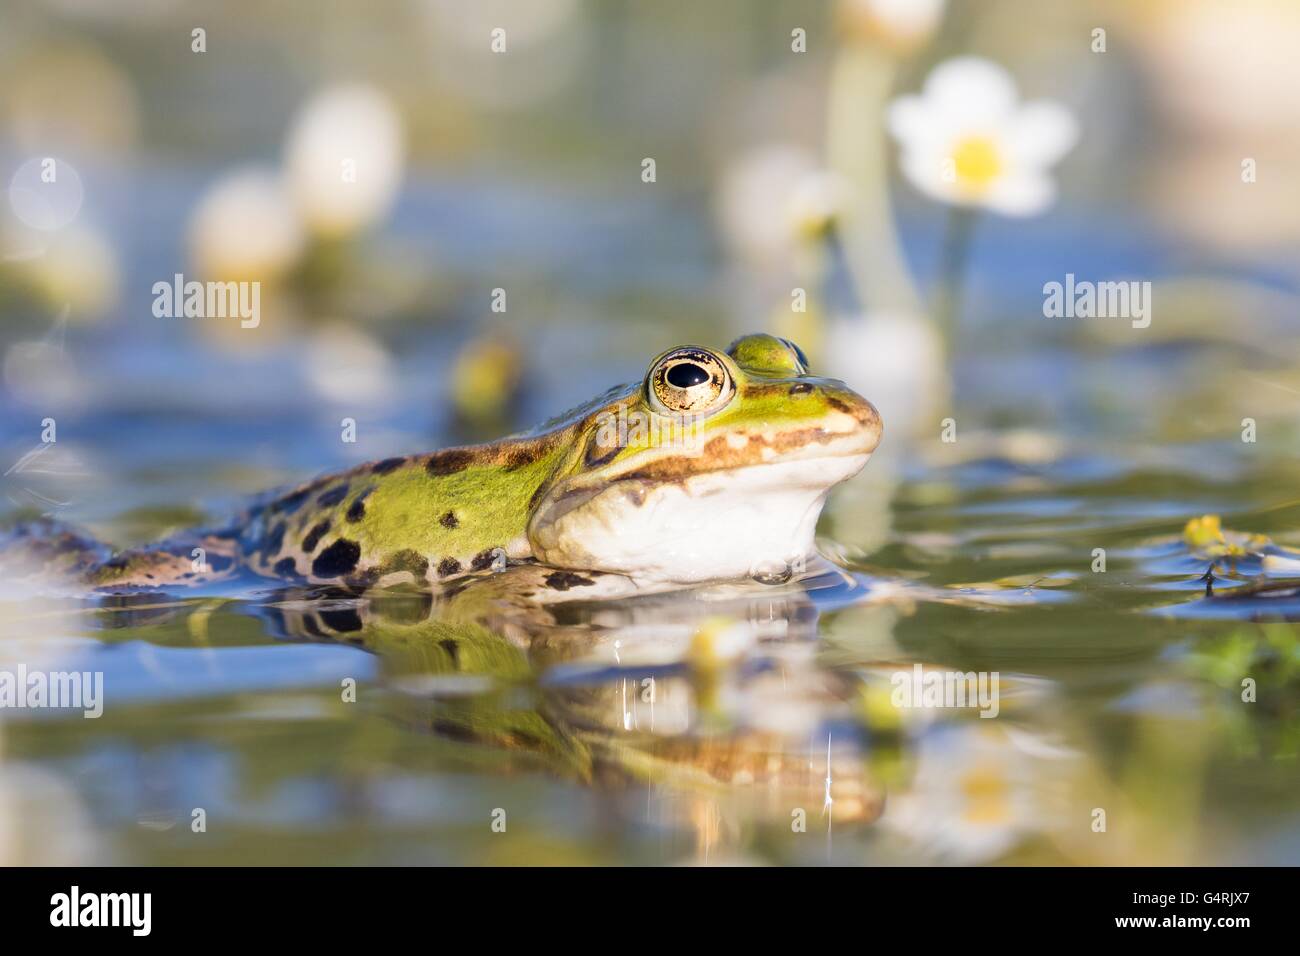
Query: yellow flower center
976, 162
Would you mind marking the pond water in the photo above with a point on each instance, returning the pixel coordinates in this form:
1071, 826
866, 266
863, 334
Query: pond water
1133, 718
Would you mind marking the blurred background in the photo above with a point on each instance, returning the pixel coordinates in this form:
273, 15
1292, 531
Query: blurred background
522, 172
503, 251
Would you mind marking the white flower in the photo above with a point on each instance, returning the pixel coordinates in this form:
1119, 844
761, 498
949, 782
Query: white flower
344, 158
245, 227
905, 23
967, 140
973, 797
346, 365
772, 197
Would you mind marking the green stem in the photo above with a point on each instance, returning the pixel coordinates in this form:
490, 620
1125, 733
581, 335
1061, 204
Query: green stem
952, 273
857, 148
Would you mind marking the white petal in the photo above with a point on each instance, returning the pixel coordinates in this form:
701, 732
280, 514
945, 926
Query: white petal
924, 170
1021, 193
971, 90
909, 119
918, 127
907, 18
1040, 133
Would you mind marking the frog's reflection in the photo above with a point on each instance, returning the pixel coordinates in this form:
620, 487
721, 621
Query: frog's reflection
712, 692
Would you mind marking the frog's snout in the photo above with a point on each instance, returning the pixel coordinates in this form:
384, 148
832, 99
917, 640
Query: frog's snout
851, 416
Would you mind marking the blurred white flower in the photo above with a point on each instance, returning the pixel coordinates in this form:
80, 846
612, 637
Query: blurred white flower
967, 139
901, 22
817, 201
772, 197
245, 228
346, 365
974, 797
344, 158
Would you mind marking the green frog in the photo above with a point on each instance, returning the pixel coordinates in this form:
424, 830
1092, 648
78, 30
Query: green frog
714, 466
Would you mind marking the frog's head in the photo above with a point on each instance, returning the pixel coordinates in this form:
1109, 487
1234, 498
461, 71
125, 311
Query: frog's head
715, 466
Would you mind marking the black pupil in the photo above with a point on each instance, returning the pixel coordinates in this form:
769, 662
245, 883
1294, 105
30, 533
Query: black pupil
686, 374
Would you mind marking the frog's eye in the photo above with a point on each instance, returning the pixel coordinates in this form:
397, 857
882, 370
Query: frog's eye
689, 380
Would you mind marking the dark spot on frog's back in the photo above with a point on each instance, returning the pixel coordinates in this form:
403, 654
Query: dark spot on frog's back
314, 535
338, 559
564, 580
357, 510
286, 567
449, 520
291, 503
387, 465
332, 497
448, 567
517, 456
274, 540
449, 462
483, 560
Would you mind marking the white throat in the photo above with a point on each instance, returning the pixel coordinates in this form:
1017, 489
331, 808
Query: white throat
710, 526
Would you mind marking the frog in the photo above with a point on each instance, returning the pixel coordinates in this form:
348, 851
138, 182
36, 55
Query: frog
715, 465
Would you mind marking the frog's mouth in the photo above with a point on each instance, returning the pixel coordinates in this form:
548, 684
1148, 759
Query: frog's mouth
657, 526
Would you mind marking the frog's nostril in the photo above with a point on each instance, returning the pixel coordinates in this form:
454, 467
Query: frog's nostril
801, 388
